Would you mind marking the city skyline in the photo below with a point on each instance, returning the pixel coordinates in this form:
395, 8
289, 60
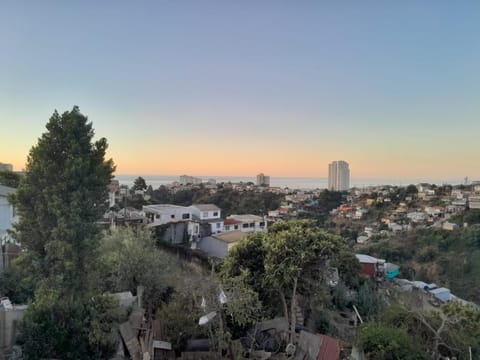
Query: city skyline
237, 89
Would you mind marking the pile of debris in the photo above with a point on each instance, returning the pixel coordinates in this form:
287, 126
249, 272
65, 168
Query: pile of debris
143, 338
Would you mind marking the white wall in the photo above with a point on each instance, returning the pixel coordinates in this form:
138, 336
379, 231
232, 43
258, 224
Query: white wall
6, 214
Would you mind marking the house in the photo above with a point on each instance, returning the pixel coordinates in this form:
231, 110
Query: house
7, 213
474, 202
417, 216
449, 226
166, 213
218, 245
172, 222
360, 213
245, 223
370, 265
209, 214
362, 239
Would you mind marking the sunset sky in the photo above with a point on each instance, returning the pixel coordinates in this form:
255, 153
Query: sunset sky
241, 87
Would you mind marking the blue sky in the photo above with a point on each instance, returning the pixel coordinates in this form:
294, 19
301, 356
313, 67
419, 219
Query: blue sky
239, 87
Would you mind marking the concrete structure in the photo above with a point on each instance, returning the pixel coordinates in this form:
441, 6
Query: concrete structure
6, 167
166, 213
9, 319
113, 188
209, 214
338, 176
175, 222
186, 179
245, 223
263, 180
219, 245
7, 213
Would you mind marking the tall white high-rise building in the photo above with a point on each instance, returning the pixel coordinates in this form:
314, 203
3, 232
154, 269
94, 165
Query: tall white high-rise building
338, 176
263, 180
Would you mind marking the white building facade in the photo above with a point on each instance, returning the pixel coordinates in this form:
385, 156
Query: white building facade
7, 213
338, 176
263, 180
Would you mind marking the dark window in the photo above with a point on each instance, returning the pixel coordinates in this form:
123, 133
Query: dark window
157, 216
186, 216
262, 224
172, 216
252, 224
215, 213
245, 225
236, 227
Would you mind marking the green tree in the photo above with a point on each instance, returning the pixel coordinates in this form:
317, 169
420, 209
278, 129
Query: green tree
383, 342
296, 251
128, 258
139, 184
59, 199
9, 178
62, 194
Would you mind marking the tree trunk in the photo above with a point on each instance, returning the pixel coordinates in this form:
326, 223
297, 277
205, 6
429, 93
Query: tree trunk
293, 316
284, 304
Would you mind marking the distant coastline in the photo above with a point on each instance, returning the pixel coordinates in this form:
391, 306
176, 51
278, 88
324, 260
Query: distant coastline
291, 182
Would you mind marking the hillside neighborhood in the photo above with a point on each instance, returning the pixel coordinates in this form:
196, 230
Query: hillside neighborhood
206, 234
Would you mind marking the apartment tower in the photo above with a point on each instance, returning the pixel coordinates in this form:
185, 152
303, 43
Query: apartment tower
263, 180
338, 176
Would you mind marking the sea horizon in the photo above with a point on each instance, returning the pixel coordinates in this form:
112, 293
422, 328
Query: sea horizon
284, 181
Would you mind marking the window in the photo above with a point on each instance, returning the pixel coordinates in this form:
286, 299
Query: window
252, 224
262, 224
218, 225
157, 216
215, 213
245, 225
235, 227
185, 216
205, 214
172, 216
227, 227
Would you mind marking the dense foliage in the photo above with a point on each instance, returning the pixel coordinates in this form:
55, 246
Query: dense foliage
59, 199
291, 259
450, 258
10, 179
229, 200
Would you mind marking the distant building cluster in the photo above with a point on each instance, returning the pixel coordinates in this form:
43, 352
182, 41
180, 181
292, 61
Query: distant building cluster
338, 176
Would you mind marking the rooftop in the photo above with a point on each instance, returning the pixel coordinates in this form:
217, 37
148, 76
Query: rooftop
206, 207
246, 218
231, 236
161, 207
5, 190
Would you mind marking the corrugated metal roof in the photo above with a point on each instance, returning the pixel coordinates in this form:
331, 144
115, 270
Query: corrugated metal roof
330, 349
366, 259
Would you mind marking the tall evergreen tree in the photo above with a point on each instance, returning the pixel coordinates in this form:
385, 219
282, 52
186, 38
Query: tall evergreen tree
61, 196
59, 199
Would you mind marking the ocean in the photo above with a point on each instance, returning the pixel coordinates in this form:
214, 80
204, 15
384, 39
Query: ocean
290, 182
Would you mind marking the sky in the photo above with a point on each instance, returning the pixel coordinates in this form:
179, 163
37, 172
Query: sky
240, 87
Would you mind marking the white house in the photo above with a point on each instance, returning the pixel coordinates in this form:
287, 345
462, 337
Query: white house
218, 245
7, 213
209, 213
245, 223
166, 213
